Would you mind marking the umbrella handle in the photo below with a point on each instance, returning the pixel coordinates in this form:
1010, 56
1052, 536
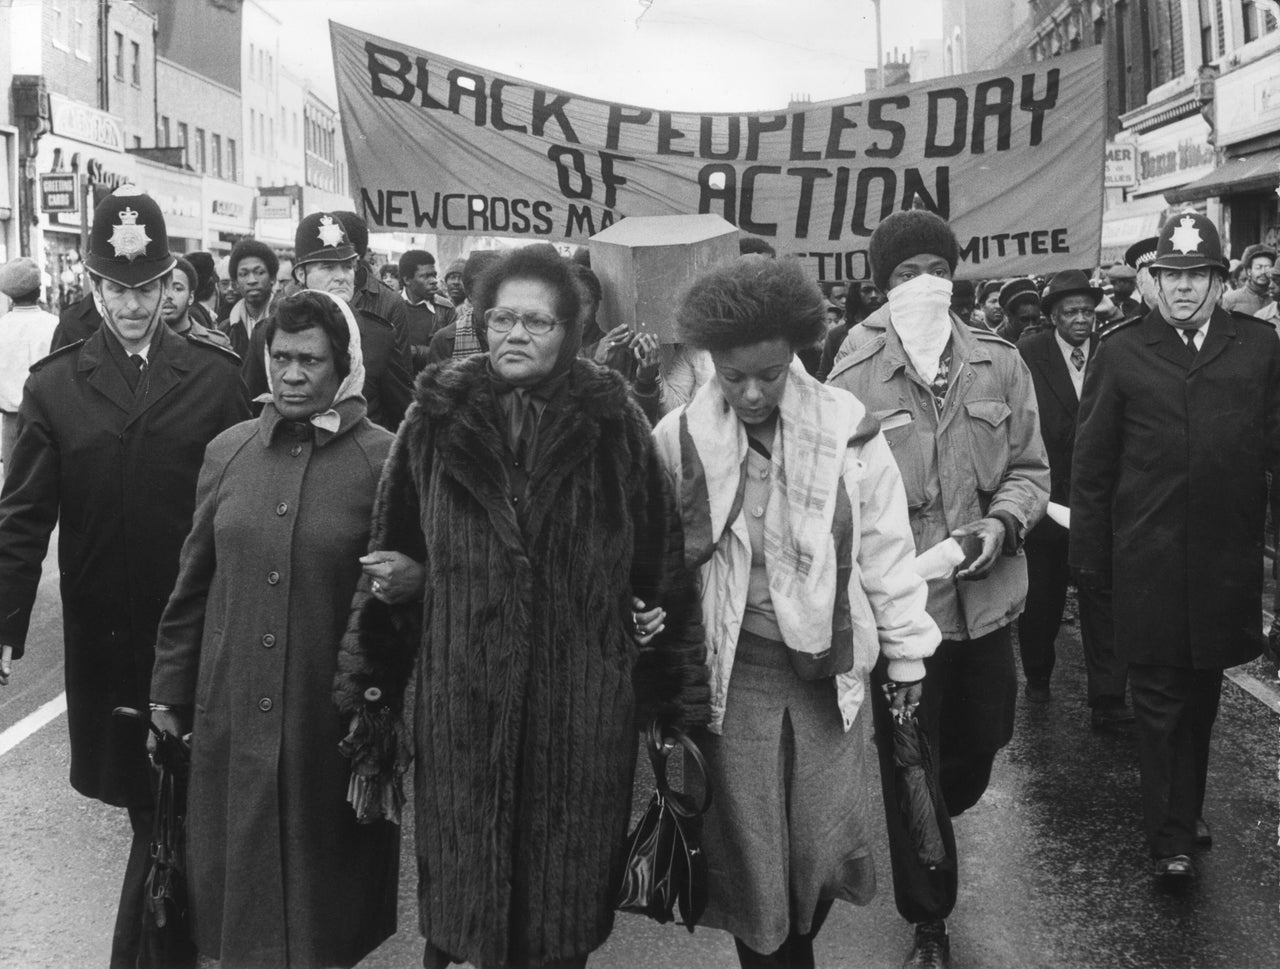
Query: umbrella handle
129, 713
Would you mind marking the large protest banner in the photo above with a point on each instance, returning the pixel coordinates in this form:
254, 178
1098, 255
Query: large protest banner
1013, 158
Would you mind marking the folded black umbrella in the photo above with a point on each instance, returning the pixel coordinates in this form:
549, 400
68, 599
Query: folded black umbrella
166, 927
917, 798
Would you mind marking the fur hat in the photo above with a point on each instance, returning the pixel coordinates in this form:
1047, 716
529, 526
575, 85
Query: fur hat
457, 266
1258, 249
906, 234
19, 277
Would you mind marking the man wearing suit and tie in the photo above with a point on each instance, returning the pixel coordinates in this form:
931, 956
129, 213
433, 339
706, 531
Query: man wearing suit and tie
1179, 423
1058, 358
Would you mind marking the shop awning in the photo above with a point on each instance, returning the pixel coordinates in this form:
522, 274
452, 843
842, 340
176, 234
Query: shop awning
1128, 222
1252, 173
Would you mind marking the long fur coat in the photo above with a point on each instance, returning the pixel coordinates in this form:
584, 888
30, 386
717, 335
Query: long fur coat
529, 685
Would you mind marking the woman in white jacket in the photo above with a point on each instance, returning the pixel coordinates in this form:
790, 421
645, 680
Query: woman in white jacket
795, 516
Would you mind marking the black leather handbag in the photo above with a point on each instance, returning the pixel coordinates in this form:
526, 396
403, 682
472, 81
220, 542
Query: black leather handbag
665, 867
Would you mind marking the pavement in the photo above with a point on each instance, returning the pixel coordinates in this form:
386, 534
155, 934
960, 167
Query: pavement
1052, 865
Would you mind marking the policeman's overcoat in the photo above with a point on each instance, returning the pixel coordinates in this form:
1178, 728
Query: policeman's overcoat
117, 471
1168, 486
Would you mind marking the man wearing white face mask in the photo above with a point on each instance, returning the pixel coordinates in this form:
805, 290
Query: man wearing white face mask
959, 411
1179, 421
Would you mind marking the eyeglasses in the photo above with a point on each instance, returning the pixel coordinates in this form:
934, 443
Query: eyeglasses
502, 320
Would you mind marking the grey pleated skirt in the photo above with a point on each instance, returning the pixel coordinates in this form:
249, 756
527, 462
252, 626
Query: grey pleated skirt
788, 825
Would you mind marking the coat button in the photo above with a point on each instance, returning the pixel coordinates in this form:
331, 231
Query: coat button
273, 578
265, 704
282, 508
757, 511
268, 640
296, 450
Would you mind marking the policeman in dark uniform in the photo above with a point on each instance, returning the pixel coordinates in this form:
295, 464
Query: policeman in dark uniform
326, 260
1179, 423
111, 435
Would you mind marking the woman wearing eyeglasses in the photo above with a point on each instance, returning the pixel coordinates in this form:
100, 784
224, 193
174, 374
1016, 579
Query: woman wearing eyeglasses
549, 623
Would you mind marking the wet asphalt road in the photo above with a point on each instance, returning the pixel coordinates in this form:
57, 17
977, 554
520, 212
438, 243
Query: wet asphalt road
1053, 870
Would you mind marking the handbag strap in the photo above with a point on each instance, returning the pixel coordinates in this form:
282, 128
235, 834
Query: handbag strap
661, 742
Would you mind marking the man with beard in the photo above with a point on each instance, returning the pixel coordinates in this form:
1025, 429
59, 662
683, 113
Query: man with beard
253, 267
325, 259
111, 435
1179, 423
1254, 293
958, 409
178, 303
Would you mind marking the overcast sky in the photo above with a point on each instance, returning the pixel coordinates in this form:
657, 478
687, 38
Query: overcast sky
693, 55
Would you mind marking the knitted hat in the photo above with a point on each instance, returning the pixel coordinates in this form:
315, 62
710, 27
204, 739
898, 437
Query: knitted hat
19, 277
906, 234
253, 249
457, 266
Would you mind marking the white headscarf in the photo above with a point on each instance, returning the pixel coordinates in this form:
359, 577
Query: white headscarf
920, 313
352, 385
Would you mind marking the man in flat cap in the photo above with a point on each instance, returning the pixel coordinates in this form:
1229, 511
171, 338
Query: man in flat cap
1179, 424
26, 332
1255, 266
111, 435
1058, 359
1124, 281
1020, 302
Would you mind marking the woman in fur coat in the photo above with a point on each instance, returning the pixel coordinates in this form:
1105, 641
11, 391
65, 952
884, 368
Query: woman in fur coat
549, 624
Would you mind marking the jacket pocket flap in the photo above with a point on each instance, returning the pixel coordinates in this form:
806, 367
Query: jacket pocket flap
993, 412
893, 419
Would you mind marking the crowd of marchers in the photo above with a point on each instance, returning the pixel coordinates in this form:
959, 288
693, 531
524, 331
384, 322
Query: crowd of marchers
817, 509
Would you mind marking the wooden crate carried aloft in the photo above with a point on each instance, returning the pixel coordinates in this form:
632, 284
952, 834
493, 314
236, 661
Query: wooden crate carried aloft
646, 262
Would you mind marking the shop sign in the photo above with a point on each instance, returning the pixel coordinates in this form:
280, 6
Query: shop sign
60, 192
1174, 155
226, 209
274, 207
1122, 164
1247, 101
83, 123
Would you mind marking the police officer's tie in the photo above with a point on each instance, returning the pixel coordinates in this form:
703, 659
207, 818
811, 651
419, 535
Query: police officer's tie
1190, 337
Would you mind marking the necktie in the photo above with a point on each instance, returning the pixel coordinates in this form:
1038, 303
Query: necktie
1077, 358
139, 361
1190, 337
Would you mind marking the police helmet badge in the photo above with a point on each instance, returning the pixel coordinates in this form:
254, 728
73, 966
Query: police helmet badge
129, 239
330, 232
1186, 237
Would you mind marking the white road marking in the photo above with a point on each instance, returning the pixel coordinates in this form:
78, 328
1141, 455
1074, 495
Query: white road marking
32, 722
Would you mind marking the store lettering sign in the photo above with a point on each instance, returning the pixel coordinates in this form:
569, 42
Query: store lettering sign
1175, 155
59, 192
1122, 165
493, 154
274, 207
226, 209
78, 121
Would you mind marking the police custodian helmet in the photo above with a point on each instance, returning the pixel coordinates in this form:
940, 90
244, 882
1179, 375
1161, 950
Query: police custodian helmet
321, 238
1189, 240
129, 244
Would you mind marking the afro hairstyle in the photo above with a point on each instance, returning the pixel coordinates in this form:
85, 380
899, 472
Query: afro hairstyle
750, 301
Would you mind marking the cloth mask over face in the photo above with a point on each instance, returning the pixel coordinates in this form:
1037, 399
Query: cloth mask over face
920, 312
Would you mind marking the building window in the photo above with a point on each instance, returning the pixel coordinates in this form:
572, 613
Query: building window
295, 128
182, 140
162, 136
136, 67
1206, 32
271, 137
233, 172
253, 130
137, 141
215, 152
1257, 20
77, 27
202, 161
253, 52
119, 58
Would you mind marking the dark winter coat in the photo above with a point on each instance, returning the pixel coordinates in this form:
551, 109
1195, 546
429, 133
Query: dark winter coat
280, 872
528, 679
1168, 489
77, 321
118, 473
1058, 406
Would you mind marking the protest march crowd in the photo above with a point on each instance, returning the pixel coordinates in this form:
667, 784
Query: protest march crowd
340, 521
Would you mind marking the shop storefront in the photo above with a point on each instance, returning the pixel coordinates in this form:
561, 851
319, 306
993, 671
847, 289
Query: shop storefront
277, 212
228, 213
179, 195
1247, 103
